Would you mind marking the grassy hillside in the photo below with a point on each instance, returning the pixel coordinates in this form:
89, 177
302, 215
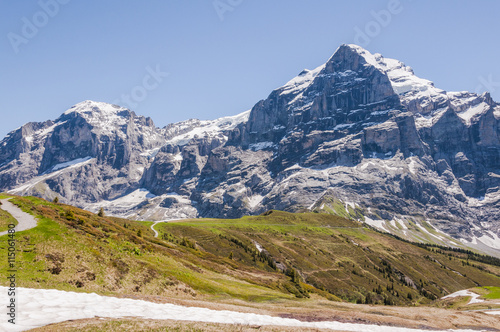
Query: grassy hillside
5, 220
72, 249
337, 256
302, 255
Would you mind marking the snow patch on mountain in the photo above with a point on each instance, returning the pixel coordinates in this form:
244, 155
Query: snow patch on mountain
150, 154
183, 132
261, 146
43, 133
69, 163
255, 200
423, 229
377, 223
63, 167
474, 111
106, 119
301, 82
490, 239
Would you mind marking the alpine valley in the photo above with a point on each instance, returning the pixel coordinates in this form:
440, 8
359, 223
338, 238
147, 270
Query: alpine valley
360, 137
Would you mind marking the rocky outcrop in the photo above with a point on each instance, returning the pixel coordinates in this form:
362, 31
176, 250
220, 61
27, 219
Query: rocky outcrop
361, 131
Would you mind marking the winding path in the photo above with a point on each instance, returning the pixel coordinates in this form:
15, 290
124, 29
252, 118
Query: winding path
156, 222
153, 227
25, 220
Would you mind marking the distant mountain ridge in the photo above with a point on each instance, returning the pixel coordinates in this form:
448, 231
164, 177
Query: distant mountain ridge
360, 136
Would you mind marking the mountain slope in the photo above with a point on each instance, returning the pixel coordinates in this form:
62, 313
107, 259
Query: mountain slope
276, 256
361, 131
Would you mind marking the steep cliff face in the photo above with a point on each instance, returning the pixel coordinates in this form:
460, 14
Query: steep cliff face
360, 136
92, 151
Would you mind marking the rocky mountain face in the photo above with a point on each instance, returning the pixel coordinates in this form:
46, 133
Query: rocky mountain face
360, 136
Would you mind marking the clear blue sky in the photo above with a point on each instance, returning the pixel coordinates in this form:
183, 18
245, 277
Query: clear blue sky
222, 61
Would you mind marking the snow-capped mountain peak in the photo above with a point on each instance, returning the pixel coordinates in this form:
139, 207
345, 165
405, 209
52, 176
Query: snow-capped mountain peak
360, 128
105, 118
92, 109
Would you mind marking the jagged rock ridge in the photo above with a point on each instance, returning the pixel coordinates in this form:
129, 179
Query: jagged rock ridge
361, 131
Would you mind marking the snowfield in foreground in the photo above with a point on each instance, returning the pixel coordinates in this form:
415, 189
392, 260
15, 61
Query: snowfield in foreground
40, 307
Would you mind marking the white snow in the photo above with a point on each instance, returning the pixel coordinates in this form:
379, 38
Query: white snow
103, 117
255, 200
258, 246
261, 146
489, 198
489, 239
31, 183
402, 77
150, 153
364, 165
403, 80
494, 312
352, 205
438, 230
393, 223
292, 168
343, 126
398, 221
204, 128
44, 132
471, 112
302, 81
429, 233
40, 307
429, 119
465, 292
129, 200
413, 165
69, 163
492, 240
377, 223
